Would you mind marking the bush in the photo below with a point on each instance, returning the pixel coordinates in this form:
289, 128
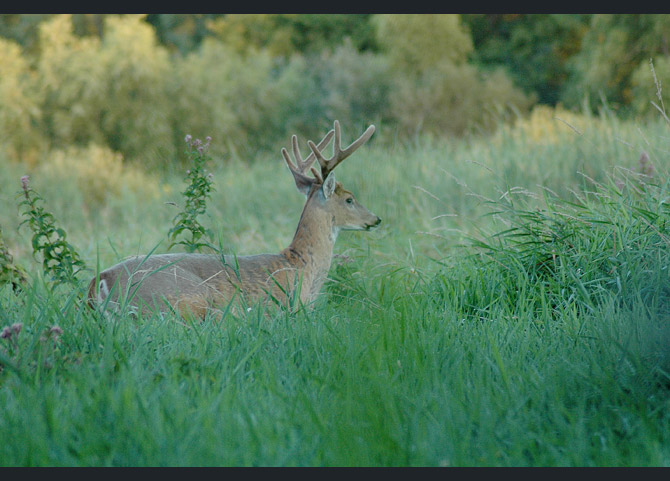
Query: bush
98, 172
111, 92
72, 76
415, 43
435, 91
233, 97
452, 99
136, 119
543, 127
19, 106
354, 85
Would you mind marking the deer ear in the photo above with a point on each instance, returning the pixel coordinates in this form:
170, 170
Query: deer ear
329, 185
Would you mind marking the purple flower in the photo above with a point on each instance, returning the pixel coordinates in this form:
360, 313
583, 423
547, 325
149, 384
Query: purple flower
24, 182
6, 333
188, 138
16, 327
56, 331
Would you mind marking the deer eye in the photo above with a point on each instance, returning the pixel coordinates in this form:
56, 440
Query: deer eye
350, 200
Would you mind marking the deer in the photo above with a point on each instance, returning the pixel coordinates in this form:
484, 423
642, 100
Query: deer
193, 284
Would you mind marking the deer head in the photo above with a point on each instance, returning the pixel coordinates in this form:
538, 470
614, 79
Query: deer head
346, 212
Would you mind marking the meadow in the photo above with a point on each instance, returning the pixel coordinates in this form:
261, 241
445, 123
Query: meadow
513, 309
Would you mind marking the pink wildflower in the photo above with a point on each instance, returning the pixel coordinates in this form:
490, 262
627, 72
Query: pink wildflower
6, 333
56, 330
188, 138
24, 182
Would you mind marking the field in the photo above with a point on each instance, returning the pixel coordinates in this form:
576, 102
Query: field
513, 309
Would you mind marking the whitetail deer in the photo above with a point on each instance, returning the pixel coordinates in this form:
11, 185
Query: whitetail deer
192, 284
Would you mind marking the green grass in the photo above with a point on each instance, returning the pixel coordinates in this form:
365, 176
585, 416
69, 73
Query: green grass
487, 322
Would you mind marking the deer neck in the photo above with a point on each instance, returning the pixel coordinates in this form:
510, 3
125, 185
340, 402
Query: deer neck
312, 247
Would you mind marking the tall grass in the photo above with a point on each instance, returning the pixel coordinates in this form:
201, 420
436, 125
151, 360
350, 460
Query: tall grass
512, 310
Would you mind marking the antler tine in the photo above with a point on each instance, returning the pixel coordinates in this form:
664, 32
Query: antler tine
339, 154
301, 167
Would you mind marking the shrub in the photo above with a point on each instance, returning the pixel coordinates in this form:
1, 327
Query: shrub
543, 126
354, 85
451, 99
415, 43
71, 72
111, 92
136, 118
60, 261
19, 106
99, 174
239, 97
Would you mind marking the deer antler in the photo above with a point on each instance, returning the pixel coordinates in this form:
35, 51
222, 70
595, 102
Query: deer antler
301, 167
328, 165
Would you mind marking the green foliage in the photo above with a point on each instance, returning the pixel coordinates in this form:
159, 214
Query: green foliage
239, 97
545, 344
451, 99
286, 34
99, 174
181, 32
648, 87
137, 69
609, 246
110, 79
19, 105
534, 49
196, 195
9, 272
613, 48
72, 76
434, 90
60, 261
21, 28
83, 77
417, 42
353, 87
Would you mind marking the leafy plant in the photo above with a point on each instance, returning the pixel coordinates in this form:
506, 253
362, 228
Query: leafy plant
9, 272
196, 195
60, 260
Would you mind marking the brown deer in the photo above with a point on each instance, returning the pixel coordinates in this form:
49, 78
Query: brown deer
193, 284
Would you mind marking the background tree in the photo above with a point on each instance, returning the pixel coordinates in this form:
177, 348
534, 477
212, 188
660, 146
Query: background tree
533, 49
613, 49
435, 90
285, 34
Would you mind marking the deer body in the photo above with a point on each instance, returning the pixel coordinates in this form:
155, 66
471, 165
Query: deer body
192, 284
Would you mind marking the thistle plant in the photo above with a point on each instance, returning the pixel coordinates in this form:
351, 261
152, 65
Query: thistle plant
60, 261
196, 194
